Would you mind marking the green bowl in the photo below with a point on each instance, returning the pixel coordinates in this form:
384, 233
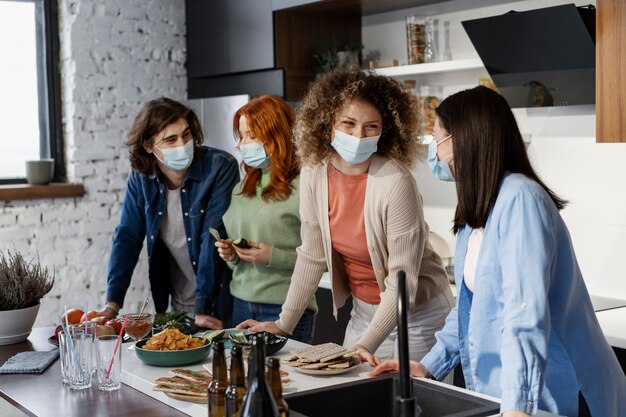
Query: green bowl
171, 357
273, 343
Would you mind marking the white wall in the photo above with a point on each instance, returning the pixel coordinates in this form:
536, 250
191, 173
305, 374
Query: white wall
115, 56
563, 150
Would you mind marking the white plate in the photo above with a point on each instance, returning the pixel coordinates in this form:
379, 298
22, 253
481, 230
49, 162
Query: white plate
353, 363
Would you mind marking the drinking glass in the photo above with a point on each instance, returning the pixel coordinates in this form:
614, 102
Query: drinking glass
90, 330
64, 356
80, 360
107, 357
138, 326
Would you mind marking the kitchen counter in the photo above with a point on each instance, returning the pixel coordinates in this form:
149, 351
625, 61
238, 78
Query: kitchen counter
44, 394
613, 324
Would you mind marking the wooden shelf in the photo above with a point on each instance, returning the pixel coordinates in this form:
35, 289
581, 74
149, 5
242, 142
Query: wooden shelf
432, 67
39, 192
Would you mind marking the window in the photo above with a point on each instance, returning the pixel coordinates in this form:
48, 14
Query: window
30, 109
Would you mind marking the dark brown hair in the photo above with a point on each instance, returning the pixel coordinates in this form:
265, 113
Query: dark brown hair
153, 117
270, 121
316, 115
487, 143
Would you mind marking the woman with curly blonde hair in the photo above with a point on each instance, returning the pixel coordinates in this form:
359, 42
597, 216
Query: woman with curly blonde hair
361, 214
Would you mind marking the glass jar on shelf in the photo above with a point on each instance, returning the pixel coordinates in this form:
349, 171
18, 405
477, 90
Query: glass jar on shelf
427, 101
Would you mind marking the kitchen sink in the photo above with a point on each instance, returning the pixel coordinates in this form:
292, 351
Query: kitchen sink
376, 397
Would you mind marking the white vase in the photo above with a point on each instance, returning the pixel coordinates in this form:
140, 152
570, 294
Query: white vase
16, 325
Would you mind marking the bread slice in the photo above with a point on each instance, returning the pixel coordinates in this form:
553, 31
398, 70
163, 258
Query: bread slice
195, 376
190, 389
177, 381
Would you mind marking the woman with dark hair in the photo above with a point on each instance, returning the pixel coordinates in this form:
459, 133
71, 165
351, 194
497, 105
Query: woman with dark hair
361, 213
524, 329
264, 211
176, 191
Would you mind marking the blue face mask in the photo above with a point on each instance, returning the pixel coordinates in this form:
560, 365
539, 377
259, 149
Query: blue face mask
440, 169
352, 149
254, 155
178, 158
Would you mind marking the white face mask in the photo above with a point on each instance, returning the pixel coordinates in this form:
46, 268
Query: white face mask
178, 158
352, 149
253, 155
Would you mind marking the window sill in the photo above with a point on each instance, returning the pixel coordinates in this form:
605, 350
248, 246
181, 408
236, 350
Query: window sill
38, 192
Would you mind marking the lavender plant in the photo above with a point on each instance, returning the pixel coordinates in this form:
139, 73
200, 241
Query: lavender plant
22, 283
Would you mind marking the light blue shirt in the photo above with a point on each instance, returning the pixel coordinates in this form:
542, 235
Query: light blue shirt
528, 333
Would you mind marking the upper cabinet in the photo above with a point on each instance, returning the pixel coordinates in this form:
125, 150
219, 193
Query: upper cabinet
229, 36
610, 71
230, 48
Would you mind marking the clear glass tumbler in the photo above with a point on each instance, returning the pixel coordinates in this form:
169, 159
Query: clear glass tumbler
108, 363
80, 360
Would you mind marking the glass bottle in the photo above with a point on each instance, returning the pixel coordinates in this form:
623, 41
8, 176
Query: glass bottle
430, 47
259, 401
219, 383
276, 385
237, 388
447, 53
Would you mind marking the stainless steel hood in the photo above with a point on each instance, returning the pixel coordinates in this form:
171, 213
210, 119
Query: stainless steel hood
542, 57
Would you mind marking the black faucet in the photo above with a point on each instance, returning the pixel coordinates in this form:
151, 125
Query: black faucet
406, 406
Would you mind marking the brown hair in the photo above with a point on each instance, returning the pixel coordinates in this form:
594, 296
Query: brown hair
154, 116
316, 115
487, 143
270, 120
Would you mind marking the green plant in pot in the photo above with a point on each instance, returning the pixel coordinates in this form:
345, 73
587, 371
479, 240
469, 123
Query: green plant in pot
336, 57
22, 285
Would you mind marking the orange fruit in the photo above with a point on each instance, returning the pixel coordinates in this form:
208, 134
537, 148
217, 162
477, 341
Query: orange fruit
90, 315
73, 316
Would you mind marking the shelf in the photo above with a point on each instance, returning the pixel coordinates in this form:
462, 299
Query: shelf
432, 67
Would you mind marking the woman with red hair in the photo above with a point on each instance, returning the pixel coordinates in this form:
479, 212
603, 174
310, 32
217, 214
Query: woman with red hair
264, 211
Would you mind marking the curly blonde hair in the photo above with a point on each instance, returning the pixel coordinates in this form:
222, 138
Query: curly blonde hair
316, 115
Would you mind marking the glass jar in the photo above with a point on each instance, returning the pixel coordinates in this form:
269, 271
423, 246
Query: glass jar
427, 102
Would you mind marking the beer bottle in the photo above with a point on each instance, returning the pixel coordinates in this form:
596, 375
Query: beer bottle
274, 379
219, 383
259, 401
237, 388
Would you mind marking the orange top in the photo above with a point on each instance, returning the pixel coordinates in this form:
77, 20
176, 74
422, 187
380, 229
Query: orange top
346, 204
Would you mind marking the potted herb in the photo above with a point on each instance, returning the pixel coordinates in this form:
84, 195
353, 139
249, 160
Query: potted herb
336, 57
22, 285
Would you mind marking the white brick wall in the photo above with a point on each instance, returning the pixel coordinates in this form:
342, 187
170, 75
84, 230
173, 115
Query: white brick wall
115, 55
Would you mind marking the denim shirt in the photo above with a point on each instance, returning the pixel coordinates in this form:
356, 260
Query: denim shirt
528, 333
205, 196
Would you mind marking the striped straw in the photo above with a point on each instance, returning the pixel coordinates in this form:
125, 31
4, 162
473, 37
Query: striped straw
117, 345
71, 344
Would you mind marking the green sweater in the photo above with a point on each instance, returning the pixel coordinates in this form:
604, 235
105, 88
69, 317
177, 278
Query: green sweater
275, 223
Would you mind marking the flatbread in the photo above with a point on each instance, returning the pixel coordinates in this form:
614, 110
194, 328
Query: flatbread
195, 376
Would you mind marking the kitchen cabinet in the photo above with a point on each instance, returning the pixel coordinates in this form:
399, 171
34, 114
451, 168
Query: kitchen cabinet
327, 329
610, 71
226, 38
301, 31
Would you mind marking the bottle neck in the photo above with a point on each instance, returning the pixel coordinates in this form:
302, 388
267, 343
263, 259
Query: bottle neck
219, 364
257, 370
236, 370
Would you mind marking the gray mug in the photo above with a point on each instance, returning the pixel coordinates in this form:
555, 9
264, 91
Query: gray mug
40, 172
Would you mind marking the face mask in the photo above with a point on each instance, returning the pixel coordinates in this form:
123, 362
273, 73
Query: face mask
352, 149
254, 155
178, 158
440, 169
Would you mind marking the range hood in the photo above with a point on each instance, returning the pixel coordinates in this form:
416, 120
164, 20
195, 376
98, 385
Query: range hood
542, 57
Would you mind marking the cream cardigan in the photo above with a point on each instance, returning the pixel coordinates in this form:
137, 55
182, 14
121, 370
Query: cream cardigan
397, 239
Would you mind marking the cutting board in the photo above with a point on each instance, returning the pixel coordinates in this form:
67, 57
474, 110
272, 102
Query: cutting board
188, 398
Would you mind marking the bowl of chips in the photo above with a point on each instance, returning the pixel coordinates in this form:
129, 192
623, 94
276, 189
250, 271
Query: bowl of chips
172, 348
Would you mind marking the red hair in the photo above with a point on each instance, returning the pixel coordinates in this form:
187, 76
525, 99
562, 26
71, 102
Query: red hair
271, 121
